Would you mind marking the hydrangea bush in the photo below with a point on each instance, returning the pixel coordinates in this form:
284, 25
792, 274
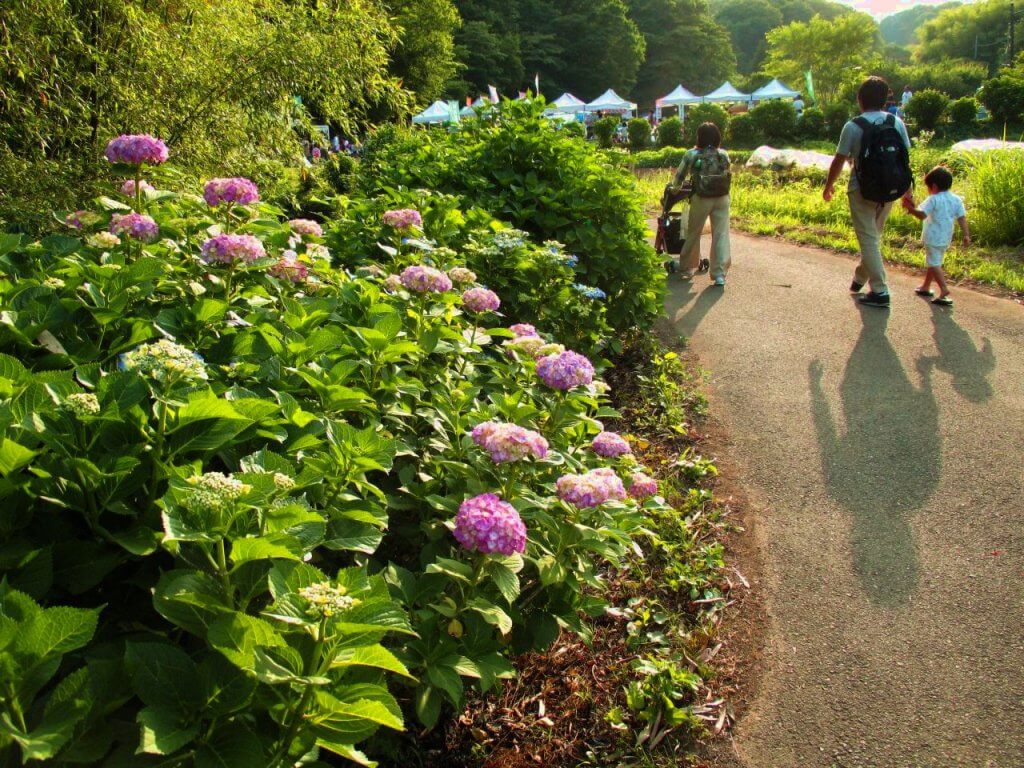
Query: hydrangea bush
253, 524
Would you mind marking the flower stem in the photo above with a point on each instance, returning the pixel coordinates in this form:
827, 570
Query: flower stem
222, 570
296, 715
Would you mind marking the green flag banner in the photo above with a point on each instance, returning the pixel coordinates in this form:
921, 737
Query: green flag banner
810, 86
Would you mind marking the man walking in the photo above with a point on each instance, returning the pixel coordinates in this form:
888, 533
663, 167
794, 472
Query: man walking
878, 146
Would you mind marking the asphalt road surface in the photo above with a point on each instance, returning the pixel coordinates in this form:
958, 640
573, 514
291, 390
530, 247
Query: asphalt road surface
883, 451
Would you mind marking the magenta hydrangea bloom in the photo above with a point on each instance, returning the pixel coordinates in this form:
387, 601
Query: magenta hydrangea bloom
136, 150
236, 190
425, 279
509, 442
135, 225
565, 370
487, 524
402, 219
610, 445
642, 486
522, 329
231, 249
480, 300
289, 268
591, 489
128, 187
305, 227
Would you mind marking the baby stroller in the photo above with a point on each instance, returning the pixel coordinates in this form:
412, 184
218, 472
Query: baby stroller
670, 237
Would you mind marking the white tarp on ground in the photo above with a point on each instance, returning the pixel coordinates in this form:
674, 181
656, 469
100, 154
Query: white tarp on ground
986, 145
776, 89
678, 98
437, 112
610, 101
781, 159
727, 92
567, 104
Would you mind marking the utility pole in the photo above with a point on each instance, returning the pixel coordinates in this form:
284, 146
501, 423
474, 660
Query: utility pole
1013, 30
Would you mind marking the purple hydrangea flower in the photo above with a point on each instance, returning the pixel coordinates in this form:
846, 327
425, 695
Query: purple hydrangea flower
136, 150
128, 187
610, 445
235, 190
289, 268
480, 300
231, 249
74, 219
591, 489
306, 227
509, 442
522, 329
425, 280
642, 486
487, 524
565, 370
403, 219
136, 225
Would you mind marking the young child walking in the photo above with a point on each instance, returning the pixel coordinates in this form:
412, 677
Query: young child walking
938, 212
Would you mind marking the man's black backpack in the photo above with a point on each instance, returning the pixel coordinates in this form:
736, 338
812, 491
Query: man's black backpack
883, 166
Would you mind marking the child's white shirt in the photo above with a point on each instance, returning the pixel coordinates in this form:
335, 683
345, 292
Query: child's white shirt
943, 209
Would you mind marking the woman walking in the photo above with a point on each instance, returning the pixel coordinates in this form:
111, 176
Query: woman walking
707, 165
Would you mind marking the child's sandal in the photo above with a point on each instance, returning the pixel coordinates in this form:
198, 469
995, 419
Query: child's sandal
943, 301
923, 292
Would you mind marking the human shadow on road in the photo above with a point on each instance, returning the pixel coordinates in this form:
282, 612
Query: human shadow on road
884, 461
960, 358
692, 310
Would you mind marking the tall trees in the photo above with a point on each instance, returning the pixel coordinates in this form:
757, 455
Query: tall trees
837, 52
424, 58
684, 45
976, 31
748, 21
901, 28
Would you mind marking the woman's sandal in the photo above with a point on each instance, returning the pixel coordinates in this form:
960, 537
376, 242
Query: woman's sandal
923, 292
943, 301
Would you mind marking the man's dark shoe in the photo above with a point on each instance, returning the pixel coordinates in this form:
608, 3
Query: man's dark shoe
855, 287
872, 299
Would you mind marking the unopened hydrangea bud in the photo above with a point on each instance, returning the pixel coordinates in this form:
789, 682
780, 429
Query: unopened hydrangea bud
103, 240
326, 600
214, 492
53, 282
283, 482
82, 404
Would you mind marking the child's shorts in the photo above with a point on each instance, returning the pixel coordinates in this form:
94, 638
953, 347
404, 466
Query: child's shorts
934, 255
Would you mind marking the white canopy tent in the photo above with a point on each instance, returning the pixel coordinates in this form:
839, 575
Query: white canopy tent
467, 111
567, 103
610, 101
776, 89
727, 92
678, 98
437, 112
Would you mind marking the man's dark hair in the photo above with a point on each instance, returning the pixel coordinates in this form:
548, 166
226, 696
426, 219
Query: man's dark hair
940, 177
708, 135
872, 94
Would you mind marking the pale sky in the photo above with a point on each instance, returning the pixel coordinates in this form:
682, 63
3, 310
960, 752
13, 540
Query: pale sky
879, 8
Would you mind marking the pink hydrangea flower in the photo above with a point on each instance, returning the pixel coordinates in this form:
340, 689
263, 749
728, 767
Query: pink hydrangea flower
565, 370
425, 280
135, 225
136, 150
610, 445
128, 187
462, 275
480, 300
235, 190
522, 329
509, 442
591, 489
289, 268
232, 249
306, 227
487, 524
642, 486
402, 219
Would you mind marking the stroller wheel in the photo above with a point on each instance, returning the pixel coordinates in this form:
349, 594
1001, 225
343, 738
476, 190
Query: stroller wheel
670, 266
704, 265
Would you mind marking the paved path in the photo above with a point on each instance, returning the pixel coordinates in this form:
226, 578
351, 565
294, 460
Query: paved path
884, 453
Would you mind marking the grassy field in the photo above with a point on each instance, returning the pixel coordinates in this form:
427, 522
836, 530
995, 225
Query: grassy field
793, 209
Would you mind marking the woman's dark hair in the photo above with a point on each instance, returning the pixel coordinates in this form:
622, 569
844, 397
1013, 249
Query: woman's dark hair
708, 135
940, 177
872, 94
